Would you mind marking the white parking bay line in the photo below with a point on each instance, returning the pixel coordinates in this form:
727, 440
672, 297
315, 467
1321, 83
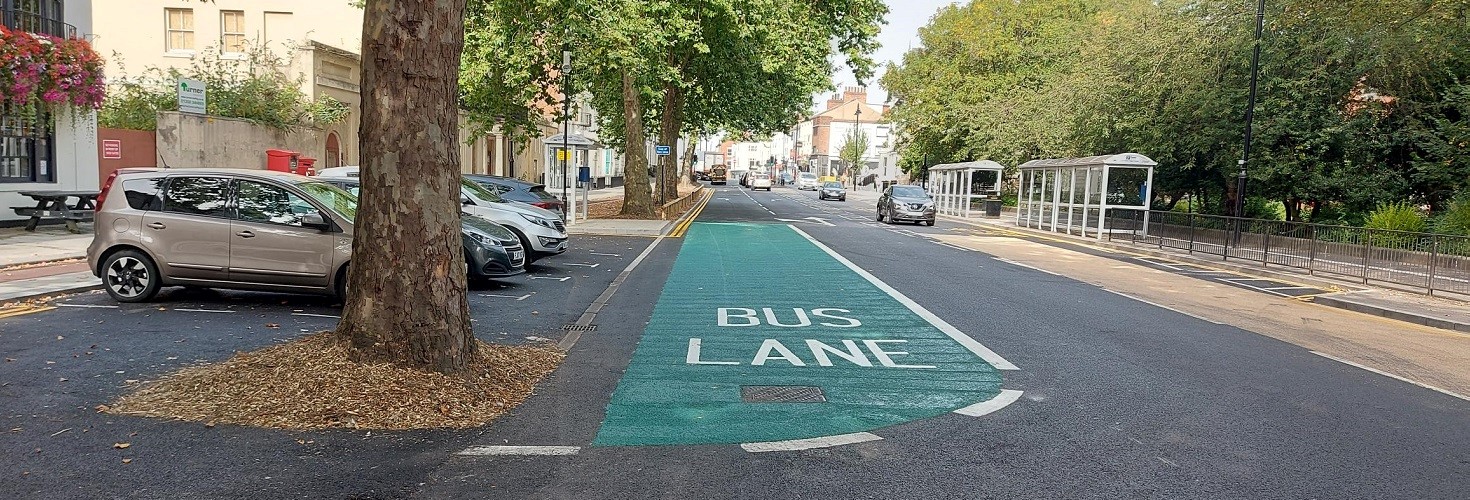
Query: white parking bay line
563, 278
949, 330
484, 451
216, 311
605, 254
90, 306
807, 444
581, 265
523, 297
1002, 400
310, 315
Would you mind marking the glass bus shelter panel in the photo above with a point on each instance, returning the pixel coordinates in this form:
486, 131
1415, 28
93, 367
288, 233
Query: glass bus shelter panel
1127, 186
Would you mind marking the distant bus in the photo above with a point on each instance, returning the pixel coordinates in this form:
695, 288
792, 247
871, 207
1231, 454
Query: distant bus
718, 174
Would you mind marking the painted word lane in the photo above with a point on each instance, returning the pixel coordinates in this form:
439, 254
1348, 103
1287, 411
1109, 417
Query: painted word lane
745, 346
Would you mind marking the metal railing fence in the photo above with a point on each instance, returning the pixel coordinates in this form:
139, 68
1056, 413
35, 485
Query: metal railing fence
1426, 262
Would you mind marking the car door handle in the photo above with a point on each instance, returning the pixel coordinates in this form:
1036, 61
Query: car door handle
156, 225
245, 234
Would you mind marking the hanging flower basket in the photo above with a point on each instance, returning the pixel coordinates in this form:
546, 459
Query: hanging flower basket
42, 73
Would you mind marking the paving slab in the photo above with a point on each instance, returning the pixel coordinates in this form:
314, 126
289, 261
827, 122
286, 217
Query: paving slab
48, 285
47, 243
620, 227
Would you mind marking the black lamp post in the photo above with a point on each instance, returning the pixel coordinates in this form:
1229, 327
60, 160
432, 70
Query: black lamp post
566, 127
857, 128
1250, 110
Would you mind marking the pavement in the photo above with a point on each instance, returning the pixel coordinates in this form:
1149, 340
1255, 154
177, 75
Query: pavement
44, 262
620, 227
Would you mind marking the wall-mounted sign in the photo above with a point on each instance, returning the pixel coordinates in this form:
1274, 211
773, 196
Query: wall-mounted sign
112, 149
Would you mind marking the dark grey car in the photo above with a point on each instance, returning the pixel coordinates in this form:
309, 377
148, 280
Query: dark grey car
832, 190
514, 189
490, 250
906, 203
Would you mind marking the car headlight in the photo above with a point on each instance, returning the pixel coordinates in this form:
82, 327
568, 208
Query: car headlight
539, 221
928, 205
485, 240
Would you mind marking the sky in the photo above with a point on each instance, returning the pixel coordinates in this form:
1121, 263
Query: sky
905, 17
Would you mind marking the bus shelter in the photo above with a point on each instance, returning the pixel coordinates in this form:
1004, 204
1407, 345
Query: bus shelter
1087, 196
956, 186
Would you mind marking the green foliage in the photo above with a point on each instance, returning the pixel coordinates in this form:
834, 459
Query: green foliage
1455, 219
253, 88
852, 152
1396, 216
1261, 208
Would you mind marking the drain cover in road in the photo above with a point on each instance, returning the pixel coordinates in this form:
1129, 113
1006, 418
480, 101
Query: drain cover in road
762, 335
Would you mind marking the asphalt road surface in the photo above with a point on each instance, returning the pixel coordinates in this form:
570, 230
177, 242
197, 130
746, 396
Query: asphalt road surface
785, 348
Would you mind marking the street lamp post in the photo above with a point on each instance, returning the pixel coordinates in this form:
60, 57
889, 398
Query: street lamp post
857, 127
566, 126
1250, 110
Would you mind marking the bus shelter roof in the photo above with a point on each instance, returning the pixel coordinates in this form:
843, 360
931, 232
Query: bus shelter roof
1117, 160
969, 165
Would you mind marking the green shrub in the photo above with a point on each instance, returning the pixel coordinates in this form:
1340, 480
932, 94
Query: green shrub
1261, 208
1456, 218
1398, 216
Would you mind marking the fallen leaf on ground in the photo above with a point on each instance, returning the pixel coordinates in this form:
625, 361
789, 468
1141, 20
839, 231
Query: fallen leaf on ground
127, 460
121, 446
272, 325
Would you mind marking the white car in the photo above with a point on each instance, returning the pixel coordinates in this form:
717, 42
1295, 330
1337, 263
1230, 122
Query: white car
806, 181
760, 181
542, 232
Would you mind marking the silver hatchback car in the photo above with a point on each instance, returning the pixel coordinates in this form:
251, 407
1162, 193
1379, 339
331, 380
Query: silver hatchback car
220, 228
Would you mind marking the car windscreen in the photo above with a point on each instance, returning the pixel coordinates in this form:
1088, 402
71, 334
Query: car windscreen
909, 192
478, 191
833, 185
338, 199
808, 176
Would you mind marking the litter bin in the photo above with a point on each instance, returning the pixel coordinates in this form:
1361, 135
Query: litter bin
992, 207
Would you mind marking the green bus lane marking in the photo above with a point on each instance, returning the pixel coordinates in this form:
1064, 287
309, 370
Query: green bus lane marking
766, 309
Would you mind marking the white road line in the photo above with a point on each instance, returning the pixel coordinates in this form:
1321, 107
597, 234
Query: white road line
1027, 266
1161, 306
563, 278
485, 451
807, 444
1392, 376
523, 297
956, 247
217, 311
316, 315
90, 306
1002, 400
605, 254
1275, 288
581, 265
983, 352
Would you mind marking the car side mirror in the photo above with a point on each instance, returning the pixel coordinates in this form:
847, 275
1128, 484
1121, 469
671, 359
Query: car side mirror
465, 200
315, 221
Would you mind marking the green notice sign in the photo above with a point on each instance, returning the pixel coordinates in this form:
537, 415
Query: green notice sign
756, 317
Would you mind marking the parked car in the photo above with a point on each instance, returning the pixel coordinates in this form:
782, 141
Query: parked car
832, 190
346, 171
760, 181
490, 250
526, 192
542, 233
807, 181
220, 228
906, 203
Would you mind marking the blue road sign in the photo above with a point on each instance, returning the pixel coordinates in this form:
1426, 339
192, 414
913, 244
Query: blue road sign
661, 150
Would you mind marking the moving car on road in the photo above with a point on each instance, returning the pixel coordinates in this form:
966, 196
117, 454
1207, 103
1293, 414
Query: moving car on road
832, 190
490, 250
807, 181
220, 228
906, 203
760, 181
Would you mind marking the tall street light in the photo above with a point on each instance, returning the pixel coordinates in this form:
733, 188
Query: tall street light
857, 127
1250, 110
566, 126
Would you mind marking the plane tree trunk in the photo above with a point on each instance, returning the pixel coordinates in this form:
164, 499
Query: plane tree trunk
671, 125
406, 299
637, 199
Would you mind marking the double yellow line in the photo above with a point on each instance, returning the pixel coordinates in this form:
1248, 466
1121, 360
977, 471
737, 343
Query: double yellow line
683, 226
23, 310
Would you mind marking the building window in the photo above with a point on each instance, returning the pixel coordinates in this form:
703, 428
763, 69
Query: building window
232, 31
179, 30
36, 16
26, 148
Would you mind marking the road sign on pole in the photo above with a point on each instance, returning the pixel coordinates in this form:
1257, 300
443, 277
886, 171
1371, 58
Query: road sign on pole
662, 150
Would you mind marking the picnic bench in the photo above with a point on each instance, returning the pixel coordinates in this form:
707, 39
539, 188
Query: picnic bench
53, 205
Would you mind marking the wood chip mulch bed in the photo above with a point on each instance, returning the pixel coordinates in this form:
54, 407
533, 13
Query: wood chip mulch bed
310, 384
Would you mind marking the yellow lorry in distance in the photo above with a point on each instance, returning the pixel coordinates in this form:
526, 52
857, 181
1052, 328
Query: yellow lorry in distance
718, 174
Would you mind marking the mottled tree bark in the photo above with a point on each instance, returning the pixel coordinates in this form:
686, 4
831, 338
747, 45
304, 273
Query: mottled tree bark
670, 126
637, 198
406, 299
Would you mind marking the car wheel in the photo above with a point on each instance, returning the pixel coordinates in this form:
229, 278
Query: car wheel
525, 247
340, 288
844, 198
880, 215
130, 276
891, 220
929, 223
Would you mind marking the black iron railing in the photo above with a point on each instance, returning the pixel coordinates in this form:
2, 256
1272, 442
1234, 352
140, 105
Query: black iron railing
36, 16
1426, 262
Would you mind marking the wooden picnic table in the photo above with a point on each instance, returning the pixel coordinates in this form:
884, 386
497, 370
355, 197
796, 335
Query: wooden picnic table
53, 205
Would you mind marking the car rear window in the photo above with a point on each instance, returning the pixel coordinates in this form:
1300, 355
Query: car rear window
197, 196
540, 192
142, 194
